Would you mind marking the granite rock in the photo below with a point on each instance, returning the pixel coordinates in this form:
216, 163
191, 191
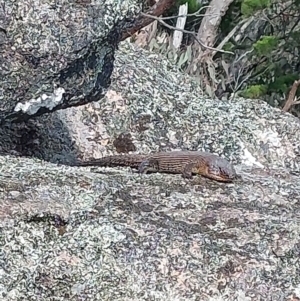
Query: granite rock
112, 234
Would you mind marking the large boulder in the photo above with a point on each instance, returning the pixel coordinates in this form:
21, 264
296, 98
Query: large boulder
57, 53
112, 234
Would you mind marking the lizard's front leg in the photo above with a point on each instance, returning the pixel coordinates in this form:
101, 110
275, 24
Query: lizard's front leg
188, 170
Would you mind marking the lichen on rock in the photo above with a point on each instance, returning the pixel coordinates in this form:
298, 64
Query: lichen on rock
112, 234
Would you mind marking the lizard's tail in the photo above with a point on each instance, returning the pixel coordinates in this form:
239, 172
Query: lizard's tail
131, 160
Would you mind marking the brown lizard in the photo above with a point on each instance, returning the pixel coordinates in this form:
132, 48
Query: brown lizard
184, 162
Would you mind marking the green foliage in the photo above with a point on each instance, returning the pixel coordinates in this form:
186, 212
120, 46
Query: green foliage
193, 5
255, 91
228, 46
265, 45
268, 71
250, 6
282, 83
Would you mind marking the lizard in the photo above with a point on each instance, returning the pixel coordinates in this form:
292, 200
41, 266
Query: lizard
186, 163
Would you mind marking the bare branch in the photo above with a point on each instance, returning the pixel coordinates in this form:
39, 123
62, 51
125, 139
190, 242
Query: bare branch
187, 32
177, 36
211, 21
291, 98
141, 21
195, 14
231, 34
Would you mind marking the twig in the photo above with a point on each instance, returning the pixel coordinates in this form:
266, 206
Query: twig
230, 35
158, 9
291, 98
185, 31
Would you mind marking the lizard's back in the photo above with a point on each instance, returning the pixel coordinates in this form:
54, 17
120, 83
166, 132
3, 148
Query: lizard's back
184, 162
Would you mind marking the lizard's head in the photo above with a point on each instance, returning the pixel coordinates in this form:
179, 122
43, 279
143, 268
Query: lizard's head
221, 170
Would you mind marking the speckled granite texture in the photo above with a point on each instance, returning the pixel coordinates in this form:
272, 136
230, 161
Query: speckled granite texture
56, 54
74, 233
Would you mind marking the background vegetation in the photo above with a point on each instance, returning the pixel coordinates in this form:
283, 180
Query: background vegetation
245, 47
